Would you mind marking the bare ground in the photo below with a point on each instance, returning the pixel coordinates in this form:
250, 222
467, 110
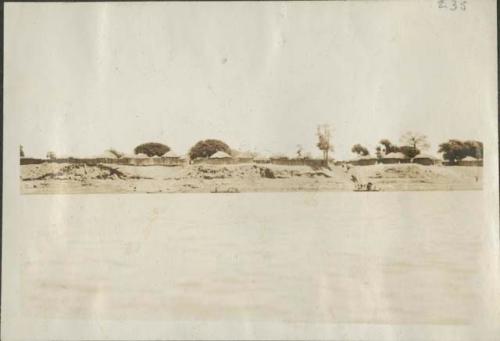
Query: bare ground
106, 178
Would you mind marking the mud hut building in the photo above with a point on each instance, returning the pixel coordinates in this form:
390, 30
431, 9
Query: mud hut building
470, 161
245, 157
365, 160
262, 159
218, 158
425, 159
393, 158
280, 159
171, 159
136, 160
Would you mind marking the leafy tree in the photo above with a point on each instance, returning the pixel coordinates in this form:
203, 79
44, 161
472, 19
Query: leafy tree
152, 149
324, 141
207, 148
360, 150
409, 151
51, 155
453, 150
474, 149
415, 140
388, 146
456, 150
21, 151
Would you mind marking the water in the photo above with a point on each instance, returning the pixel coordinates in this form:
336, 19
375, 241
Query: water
301, 257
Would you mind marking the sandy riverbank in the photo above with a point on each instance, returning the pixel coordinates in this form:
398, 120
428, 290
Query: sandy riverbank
106, 178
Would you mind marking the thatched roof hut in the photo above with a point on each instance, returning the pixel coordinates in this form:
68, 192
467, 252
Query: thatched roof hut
261, 159
107, 155
171, 154
425, 159
395, 158
220, 155
470, 161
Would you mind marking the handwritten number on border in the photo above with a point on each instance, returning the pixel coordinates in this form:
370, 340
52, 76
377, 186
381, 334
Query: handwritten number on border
452, 5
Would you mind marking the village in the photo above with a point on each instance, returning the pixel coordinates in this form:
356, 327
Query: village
213, 166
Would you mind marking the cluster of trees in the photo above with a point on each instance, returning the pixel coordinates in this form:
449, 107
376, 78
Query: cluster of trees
201, 149
412, 144
204, 148
456, 150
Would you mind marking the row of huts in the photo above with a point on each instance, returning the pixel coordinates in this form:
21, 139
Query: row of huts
220, 157
422, 159
391, 158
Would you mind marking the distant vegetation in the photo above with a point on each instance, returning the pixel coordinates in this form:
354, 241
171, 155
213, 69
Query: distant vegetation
152, 149
410, 145
456, 150
207, 148
51, 155
387, 147
324, 144
413, 144
360, 150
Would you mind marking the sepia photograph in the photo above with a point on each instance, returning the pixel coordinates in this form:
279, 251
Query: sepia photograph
212, 166
288, 170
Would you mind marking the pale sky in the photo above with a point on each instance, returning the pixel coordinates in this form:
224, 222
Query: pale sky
81, 78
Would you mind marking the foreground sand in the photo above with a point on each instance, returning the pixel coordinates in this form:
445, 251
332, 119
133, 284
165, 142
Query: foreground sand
50, 178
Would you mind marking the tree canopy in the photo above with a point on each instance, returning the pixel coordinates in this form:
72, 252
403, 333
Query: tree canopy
152, 149
207, 148
388, 146
409, 151
455, 150
474, 149
360, 150
411, 145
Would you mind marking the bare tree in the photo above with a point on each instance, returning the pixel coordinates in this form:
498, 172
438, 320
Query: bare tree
324, 141
415, 140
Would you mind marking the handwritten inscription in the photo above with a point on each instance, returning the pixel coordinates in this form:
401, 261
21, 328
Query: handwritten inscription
453, 5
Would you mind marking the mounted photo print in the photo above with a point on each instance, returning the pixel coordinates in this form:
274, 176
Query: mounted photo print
284, 170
